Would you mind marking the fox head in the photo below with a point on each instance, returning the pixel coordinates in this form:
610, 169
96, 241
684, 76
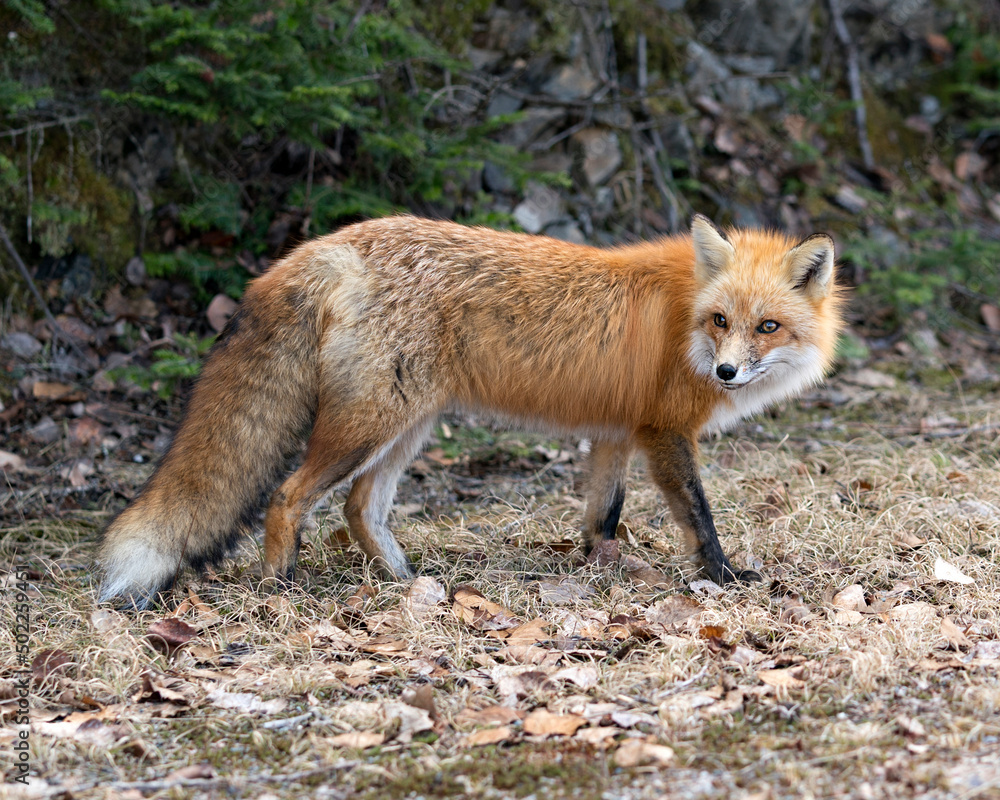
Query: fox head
766, 311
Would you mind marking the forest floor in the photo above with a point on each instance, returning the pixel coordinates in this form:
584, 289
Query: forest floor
867, 664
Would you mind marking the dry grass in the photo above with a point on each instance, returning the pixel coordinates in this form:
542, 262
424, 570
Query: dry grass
773, 690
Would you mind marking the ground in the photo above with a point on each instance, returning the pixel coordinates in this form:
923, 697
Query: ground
867, 664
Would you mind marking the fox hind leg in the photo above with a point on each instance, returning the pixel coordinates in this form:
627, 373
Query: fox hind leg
606, 490
370, 500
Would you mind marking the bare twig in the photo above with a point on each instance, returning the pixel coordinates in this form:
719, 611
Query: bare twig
31, 186
57, 331
36, 126
854, 80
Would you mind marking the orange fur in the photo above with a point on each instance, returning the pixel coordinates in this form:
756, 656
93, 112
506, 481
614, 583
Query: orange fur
369, 333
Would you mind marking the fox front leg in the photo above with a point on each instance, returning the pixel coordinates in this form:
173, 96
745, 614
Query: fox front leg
674, 466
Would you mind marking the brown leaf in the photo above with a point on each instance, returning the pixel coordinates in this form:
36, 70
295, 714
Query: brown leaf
672, 610
991, 317
542, 722
160, 689
851, 599
954, 635
637, 752
565, 592
48, 390
486, 736
170, 633
623, 626
490, 715
528, 633
191, 772
219, 311
49, 664
782, 678
642, 574
472, 607
422, 697
424, 597
605, 553
11, 462
360, 596
86, 430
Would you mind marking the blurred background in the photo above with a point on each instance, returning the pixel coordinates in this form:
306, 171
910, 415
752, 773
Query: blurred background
156, 156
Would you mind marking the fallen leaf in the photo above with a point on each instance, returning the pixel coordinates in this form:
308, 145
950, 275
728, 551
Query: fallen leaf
490, 715
528, 633
424, 597
912, 612
605, 553
643, 574
624, 718
637, 753
909, 726
486, 736
599, 736
846, 616
991, 317
170, 633
422, 697
357, 740
782, 678
246, 702
219, 311
542, 722
673, 610
11, 462
945, 571
954, 635
50, 663
105, 620
472, 607
583, 677
851, 599
49, 390
565, 592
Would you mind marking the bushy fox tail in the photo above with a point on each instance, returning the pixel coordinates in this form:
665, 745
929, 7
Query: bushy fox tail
255, 400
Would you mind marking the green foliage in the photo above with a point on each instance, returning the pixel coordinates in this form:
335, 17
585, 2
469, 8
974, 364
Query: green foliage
971, 83
169, 367
205, 273
920, 277
350, 101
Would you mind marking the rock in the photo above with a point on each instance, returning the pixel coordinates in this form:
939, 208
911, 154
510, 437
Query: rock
135, 271
497, 179
46, 431
848, 199
22, 345
599, 153
503, 103
773, 28
704, 69
483, 60
531, 125
571, 82
79, 279
567, 232
510, 33
541, 207
746, 94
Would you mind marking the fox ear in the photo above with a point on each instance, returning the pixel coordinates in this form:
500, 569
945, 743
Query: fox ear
810, 266
712, 250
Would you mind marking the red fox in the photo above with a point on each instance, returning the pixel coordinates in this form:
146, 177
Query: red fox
357, 341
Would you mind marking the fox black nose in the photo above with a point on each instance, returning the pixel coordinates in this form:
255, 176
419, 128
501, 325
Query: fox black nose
726, 371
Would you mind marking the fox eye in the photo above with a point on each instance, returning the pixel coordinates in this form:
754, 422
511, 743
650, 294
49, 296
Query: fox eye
720, 321
768, 326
